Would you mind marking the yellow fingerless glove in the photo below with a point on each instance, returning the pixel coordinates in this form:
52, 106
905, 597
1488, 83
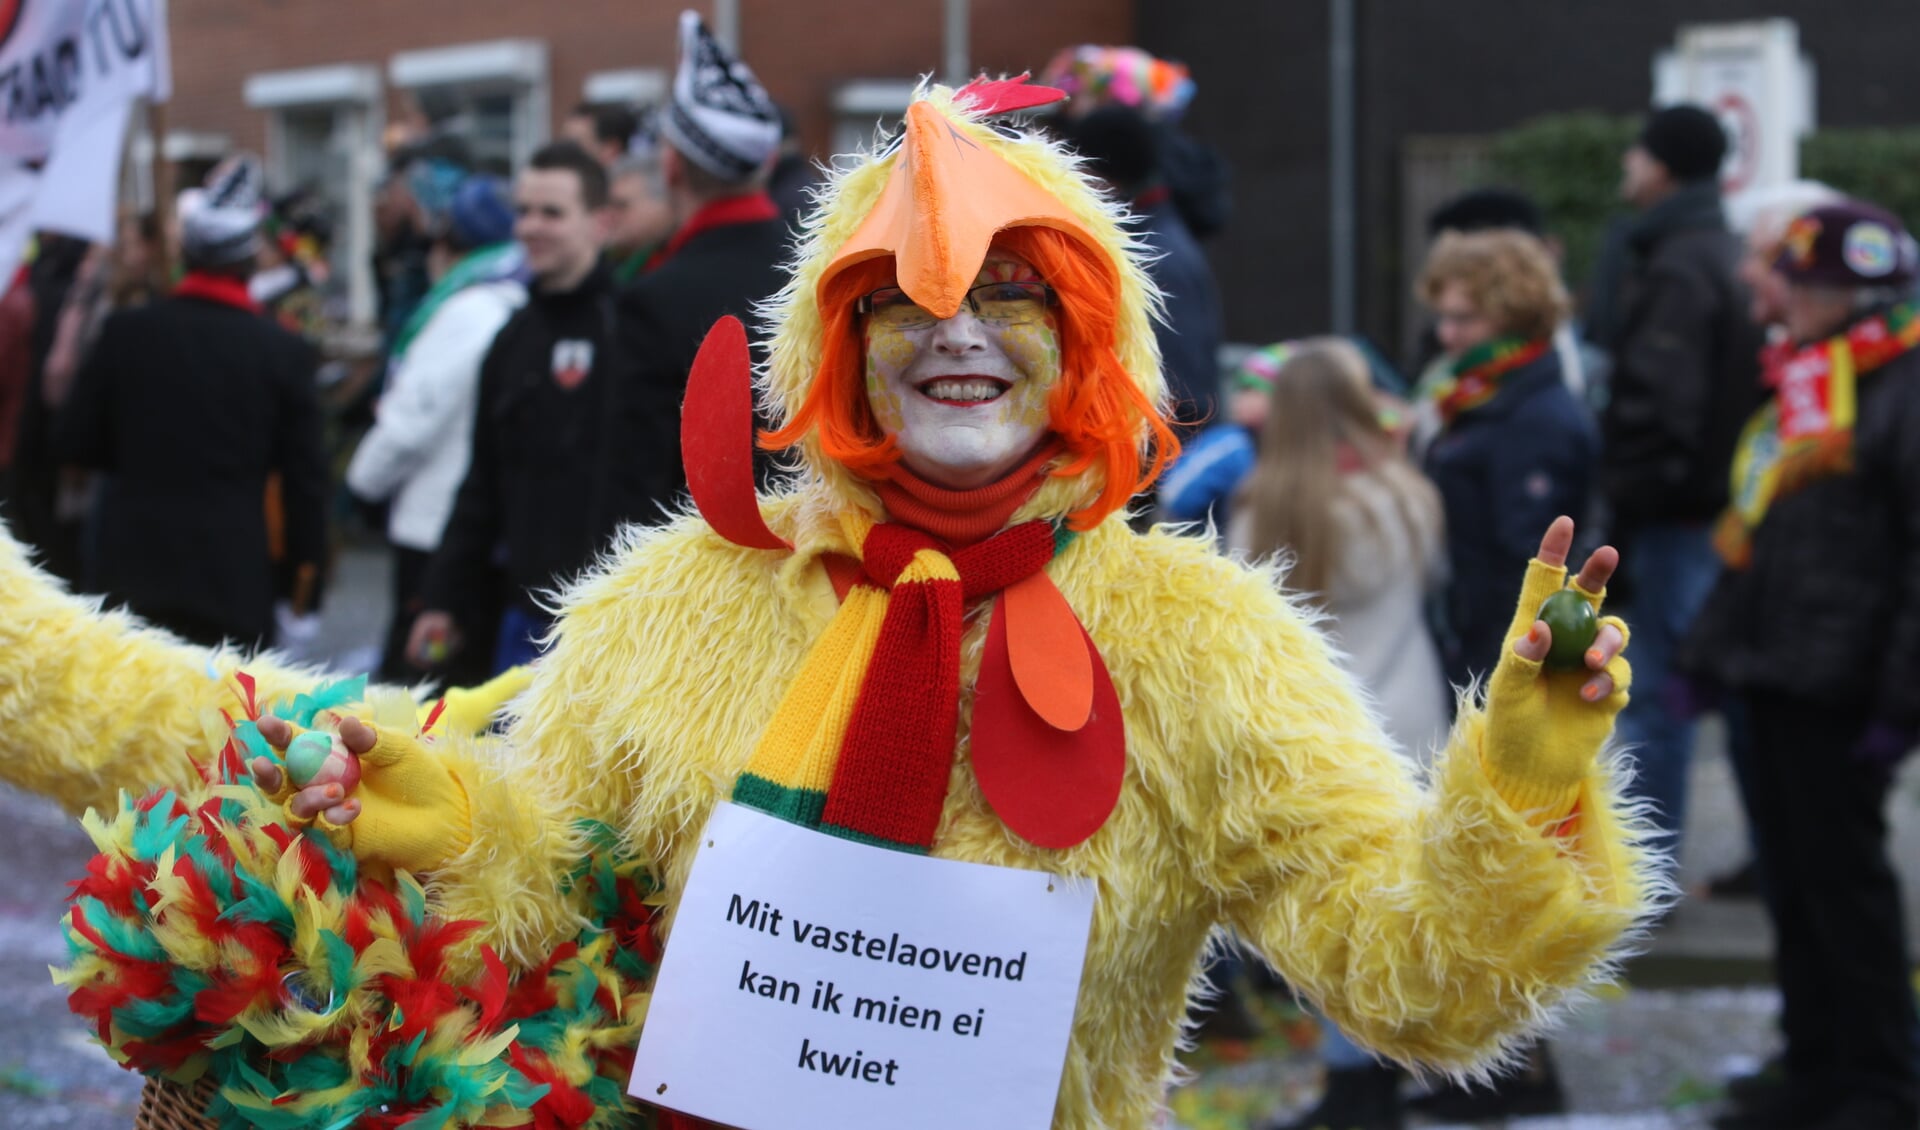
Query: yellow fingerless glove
1542, 738
414, 807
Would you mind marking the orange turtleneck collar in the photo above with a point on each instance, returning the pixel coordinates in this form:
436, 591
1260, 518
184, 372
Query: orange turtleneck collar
962, 517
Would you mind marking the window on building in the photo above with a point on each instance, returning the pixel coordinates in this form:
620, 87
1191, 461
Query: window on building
492, 95
864, 105
323, 136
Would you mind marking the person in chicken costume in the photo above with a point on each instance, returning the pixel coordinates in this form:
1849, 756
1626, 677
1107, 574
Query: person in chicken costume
939, 635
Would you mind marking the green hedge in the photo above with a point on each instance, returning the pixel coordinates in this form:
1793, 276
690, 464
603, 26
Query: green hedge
1881, 165
1570, 163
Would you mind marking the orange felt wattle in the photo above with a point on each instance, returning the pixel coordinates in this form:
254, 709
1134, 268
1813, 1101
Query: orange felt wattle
944, 201
1048, 652
716, 438
1054, 789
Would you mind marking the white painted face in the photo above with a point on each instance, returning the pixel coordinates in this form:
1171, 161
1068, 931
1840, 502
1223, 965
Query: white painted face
965, 397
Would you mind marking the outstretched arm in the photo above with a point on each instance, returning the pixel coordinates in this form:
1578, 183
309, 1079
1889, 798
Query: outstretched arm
1438, 925
94, 702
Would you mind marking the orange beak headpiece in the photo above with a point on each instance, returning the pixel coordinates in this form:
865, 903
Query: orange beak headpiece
948, 195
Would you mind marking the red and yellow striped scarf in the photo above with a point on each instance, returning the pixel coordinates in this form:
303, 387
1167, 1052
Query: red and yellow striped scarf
862, 744
1804, 433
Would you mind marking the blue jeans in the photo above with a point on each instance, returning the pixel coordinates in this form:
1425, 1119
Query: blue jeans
1672, 570
1340, 1053
519, 642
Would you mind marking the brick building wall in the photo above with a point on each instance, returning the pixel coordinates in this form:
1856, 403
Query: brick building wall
802, 49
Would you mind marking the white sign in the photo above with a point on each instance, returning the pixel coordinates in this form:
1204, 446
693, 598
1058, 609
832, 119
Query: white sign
1753, 76
811, 981
69, 73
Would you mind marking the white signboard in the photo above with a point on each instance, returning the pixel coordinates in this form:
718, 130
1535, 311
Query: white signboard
811, 981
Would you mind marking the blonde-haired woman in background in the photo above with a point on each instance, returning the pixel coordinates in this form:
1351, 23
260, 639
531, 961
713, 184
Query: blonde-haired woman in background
1335, 493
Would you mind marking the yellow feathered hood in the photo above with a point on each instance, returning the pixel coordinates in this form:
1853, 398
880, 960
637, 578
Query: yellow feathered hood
880, 202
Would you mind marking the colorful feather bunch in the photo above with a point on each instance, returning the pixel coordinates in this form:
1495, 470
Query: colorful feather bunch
209, 936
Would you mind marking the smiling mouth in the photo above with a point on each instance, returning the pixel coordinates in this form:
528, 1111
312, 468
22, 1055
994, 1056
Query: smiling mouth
963, 390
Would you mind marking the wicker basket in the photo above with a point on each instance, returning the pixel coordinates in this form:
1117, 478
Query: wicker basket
170, 1106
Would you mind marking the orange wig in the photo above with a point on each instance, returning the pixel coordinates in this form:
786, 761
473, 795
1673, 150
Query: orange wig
1096, 408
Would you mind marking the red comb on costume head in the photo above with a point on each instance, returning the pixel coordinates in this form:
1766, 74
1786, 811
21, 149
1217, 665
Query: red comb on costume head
1005, 95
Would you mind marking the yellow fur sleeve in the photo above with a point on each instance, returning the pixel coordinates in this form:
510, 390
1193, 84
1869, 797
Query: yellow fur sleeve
94, 702
1434, 925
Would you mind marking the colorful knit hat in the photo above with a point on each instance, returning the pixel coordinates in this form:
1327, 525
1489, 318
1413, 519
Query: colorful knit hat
1847, 244
719, 117
1258, 370
1128, 75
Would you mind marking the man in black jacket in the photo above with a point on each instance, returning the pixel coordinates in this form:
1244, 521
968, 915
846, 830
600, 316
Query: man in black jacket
1684, 381
189, 405
1815, 624
538, 499
721, 133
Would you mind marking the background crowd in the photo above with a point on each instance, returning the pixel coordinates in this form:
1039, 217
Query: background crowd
1729, 407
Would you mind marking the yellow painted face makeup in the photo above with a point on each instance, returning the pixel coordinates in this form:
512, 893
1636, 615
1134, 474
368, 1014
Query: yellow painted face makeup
965, 397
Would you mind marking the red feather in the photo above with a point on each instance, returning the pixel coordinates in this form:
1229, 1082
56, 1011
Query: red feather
1005, 95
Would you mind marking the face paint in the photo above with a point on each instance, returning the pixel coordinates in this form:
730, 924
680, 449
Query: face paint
966, 400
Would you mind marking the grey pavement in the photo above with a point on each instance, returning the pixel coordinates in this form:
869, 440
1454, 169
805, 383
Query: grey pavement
1645, 1059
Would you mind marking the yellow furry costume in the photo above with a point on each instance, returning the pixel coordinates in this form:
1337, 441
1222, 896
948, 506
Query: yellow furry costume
1439, 925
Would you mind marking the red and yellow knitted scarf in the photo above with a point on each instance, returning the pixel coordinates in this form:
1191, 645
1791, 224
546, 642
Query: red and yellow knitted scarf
1804, 433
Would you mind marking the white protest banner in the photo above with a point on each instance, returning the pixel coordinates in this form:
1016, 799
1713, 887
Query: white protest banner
69, 73
812, 981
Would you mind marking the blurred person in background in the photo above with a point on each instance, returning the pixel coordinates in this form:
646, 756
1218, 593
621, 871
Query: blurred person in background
1359, 529
1814, 623
291, 280
187, 406
1515, 450
417, 452
41, 505
793, 175
16, 368
640, 215
1202, 481
540, 496
1491, 209
1683, 381
1119, 147
1761, 218
719, 133
603, 129
1195, 174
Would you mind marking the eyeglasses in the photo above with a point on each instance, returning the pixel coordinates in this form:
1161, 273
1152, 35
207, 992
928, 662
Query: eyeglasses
996, 303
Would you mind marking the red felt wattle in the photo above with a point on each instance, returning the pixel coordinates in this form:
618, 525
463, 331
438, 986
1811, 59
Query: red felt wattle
1052, 788
716, 438
1005, 95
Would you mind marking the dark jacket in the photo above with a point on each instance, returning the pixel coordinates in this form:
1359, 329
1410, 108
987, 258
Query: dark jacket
1505, 470
1685, 365
537, 500
188, 405
1829, 610
1189, 338
665, 315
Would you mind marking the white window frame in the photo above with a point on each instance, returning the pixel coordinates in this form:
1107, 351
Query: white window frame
637, 87
860, 105
353, 90
517, 65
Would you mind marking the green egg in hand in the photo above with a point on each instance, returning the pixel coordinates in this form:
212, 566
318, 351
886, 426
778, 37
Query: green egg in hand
1574, 624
